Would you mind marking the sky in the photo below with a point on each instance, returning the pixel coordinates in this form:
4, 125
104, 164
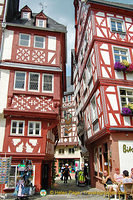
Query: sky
61, 11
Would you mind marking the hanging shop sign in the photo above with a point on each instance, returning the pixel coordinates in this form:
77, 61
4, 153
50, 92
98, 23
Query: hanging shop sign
5, 166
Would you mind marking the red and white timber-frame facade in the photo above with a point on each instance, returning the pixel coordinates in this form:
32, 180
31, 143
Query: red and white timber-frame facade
104, 35
68, 149
32, 80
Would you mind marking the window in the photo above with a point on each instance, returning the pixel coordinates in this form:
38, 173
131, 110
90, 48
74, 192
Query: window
25, 15
65, 113
64, 98
93, 109
17, 127
20, 80
100, 158
61, 151
120, 54
126, 96
39, 42
69, 98
47, 83
41, 23
34, 128
89, 69
117, 25
24, 40
95, 161
34, 81
12, 177
71, 150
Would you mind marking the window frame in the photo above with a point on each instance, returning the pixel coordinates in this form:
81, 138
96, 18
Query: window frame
61, 151
100, 154
69, 98
38, 82
47, 91
28, 40
17, 128
34, 123
121, 48
116, 20
71, 150
23, 89
64, 99
43, 42
38, 22
25, 15
124, 88
94, 118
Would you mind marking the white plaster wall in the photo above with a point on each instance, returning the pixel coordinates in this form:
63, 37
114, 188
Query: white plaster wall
113, 101
126, 161
119, 75
127, 121
4, 80
8, 40
1, 9
52, 43
2, 1
66, 154
129, 76
2, 132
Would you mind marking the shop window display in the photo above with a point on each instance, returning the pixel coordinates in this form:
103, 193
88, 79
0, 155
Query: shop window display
24, 187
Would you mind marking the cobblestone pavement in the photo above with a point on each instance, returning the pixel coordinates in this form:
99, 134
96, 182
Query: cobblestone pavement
69, 191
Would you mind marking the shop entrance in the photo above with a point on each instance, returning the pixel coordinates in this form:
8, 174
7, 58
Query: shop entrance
45, 176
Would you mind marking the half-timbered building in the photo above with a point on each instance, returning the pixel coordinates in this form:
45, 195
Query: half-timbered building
103, 84
32, 80
68, 149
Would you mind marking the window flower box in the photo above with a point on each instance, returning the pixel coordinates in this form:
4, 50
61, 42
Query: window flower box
128, 109
123, 66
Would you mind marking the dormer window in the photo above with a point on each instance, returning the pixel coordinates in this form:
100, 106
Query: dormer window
41, 20
26, 13
41, 23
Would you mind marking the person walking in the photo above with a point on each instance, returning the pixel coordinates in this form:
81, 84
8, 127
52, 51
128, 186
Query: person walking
66, 173
62, 171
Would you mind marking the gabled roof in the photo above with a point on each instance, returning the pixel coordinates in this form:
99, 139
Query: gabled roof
52, 25
26, 9
41, 15
112, 4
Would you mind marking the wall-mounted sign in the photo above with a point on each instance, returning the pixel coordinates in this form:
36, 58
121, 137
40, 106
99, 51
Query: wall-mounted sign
125, 155
127, 148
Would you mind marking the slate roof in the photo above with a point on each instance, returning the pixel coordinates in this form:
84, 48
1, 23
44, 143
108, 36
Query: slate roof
113, 4
52, 24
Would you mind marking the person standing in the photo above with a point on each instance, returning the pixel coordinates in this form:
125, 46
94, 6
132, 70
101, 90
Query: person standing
66, 173
86, 173
62, 171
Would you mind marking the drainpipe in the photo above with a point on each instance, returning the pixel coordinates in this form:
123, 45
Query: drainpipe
3, 28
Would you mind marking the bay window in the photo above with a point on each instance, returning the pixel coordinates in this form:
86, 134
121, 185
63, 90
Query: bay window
34, 128
34, 81
47, 83
17, 127
20, 78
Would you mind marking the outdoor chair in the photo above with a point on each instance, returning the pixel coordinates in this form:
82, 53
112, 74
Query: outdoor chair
128, 187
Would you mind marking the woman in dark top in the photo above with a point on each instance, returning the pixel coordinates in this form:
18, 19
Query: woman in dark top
107, 181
